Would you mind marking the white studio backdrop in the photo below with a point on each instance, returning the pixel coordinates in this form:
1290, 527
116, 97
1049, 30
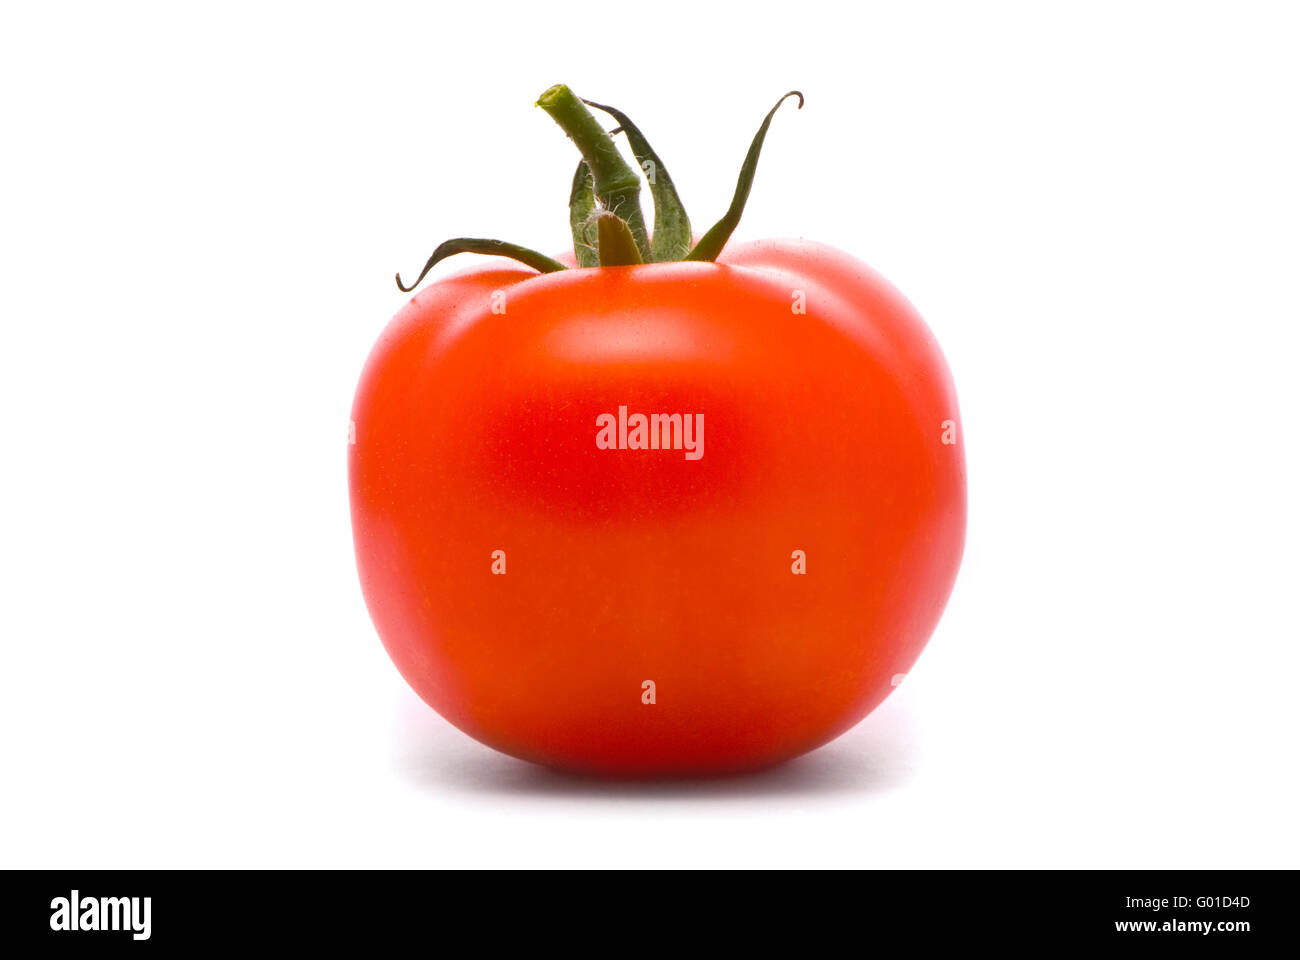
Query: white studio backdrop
1095, 207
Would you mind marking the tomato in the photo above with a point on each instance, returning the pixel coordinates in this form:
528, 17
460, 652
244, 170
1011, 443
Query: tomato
661, 519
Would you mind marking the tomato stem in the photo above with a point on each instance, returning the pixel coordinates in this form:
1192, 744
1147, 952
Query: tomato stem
672, 235
605, 194
616, 185
498, 248
711, 243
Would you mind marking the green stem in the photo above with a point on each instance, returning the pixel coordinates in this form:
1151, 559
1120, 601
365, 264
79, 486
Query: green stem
672, 236
496, 248
711, 243
615, 184
616, 246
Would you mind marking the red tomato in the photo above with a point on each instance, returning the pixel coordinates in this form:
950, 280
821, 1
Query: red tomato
744, 592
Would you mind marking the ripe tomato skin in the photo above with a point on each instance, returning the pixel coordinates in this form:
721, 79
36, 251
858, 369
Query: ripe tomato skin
475, 431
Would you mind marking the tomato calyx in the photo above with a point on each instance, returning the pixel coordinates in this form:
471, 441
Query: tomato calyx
615, 185
604, 198
672, 236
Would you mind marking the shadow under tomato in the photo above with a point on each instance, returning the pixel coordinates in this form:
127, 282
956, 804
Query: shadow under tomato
876, 756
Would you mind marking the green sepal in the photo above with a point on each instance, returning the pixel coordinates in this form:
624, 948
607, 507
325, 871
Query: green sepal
496, 248
582, 204
616, 185
672, 233
711, 243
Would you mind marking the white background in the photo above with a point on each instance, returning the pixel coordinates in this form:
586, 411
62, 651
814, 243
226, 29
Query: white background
1095, 206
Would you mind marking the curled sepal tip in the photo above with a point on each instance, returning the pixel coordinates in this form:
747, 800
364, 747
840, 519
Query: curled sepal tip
711, 243
495, 248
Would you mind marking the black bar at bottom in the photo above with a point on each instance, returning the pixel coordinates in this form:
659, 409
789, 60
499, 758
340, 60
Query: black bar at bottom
662, 911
